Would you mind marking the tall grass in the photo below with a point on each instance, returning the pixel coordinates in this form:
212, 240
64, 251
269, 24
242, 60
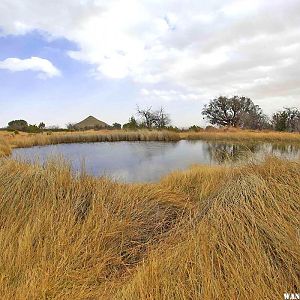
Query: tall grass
205, 233
242, 136
5, 149
93, 136
244, 244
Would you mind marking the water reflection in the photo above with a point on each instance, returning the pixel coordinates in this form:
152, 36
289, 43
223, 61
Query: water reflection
149, 161
230, 152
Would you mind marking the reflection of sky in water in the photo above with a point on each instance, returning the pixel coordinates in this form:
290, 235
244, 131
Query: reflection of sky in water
145, 161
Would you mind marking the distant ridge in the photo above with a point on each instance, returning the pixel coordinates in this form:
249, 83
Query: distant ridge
91, 123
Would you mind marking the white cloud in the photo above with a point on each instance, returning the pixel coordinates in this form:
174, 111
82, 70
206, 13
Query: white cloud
43, 66
204, 48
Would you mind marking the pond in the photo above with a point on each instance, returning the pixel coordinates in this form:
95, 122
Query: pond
149, 161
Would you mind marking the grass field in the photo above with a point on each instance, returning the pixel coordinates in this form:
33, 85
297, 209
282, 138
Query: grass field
205, 233
243, 136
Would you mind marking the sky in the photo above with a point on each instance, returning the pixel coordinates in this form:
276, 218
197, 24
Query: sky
63, 60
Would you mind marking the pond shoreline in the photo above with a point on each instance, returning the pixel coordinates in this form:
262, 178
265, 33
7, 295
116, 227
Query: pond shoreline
231, 135
148, 161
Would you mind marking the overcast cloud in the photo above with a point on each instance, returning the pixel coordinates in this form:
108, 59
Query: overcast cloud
176, 50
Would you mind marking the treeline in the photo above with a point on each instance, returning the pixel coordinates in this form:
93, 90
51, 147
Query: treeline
236, 111
242, 112
22, 125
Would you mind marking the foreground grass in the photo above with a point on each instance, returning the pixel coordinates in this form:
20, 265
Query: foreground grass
226, 135
206, 233
5, 149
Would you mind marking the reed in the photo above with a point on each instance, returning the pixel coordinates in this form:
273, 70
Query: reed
93, 137
243, 136
5, 149
205, 233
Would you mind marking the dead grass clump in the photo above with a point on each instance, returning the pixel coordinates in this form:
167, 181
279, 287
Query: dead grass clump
245, 246
5, 149
70, 238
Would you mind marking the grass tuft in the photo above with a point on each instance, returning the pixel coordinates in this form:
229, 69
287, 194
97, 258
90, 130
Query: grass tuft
5, 149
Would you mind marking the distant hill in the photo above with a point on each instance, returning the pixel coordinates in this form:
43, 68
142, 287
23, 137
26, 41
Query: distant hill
91, 123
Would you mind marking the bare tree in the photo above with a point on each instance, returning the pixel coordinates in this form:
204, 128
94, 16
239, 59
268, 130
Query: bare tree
148, 119
161, 119
157, 119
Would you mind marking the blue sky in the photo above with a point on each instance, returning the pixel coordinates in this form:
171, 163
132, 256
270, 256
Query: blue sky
61, 61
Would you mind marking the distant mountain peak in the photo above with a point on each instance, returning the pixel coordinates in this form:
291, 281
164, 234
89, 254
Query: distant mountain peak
91, 122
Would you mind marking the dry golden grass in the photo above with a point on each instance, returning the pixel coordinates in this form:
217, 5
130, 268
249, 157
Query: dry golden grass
5, 149
244, 244
91, 137
242, 136
71, 238
205, 233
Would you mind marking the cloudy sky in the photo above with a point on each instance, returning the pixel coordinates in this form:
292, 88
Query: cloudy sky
62, 60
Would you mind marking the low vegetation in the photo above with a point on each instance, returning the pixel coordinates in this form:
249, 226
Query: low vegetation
92, 137
5, 149
243, 136
205, 233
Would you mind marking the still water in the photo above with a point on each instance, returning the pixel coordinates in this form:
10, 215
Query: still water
149, 161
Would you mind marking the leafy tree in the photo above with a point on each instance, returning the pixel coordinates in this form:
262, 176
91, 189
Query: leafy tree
33, 129
132, 124
116, 126
235, 111
42, 126
71, 126
195, 128
20, 125
287, 120
173, 128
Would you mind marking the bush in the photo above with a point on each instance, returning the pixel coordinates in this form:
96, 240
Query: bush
195, 128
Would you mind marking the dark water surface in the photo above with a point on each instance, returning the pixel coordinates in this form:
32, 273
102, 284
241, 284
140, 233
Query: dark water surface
149, 161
